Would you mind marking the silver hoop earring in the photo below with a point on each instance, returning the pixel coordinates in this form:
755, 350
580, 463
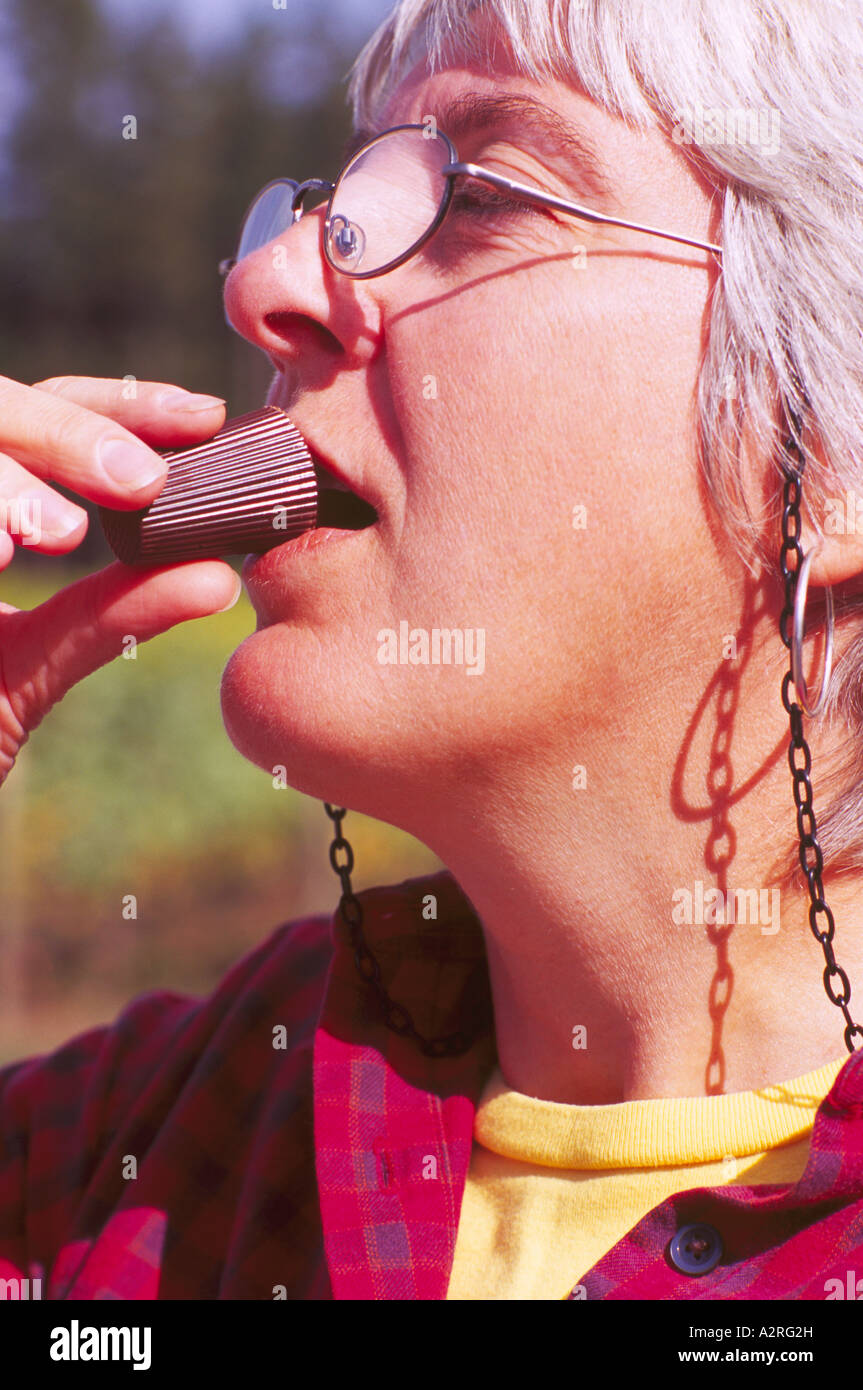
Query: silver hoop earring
797, 640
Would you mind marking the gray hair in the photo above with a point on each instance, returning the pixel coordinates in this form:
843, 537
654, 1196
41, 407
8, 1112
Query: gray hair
786, 320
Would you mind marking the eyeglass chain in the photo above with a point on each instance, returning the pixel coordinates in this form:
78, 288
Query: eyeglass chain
399, 1019
396, 1016
802, 785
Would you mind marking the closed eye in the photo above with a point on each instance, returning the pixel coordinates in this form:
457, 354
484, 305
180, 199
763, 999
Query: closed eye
478, 198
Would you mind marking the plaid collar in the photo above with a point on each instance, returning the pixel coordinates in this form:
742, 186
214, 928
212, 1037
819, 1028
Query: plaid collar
393, 1129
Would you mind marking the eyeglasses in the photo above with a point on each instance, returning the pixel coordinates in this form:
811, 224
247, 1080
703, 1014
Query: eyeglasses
390, 199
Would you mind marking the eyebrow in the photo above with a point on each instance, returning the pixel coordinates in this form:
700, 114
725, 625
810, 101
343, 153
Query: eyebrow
543, 127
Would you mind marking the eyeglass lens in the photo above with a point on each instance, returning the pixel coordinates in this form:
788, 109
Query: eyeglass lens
387, 200
269, 216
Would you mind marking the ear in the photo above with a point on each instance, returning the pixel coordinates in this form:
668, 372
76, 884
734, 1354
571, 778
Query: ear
838, 557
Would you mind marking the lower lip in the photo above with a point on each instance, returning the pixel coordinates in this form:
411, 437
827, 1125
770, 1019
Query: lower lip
272, 561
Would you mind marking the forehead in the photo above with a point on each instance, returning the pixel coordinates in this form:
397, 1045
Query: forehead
439, 94
473, 104
491, 72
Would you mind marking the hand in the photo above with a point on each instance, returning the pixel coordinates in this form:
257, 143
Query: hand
83, 433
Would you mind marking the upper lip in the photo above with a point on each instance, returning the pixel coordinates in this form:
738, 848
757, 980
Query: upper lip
323, 462
328, 471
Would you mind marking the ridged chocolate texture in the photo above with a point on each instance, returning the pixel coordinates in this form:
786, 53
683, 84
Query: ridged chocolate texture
249, 488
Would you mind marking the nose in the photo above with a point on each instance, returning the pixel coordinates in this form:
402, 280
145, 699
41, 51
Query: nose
286, 299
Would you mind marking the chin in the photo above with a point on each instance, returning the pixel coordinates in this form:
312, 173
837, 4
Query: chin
285, 705
292, 700
266, 713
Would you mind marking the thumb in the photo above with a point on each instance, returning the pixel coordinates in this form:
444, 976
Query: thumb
47, 650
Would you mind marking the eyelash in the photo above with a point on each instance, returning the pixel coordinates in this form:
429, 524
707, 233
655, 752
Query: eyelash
479, 198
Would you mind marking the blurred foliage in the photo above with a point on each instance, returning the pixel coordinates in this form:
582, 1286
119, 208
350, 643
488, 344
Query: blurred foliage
108, 267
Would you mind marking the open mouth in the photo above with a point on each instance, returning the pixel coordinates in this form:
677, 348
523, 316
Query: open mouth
344, 511
338, 506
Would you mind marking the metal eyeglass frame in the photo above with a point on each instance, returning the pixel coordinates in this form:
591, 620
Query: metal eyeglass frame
450, 171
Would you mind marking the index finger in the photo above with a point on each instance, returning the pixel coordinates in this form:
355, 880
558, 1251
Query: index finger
60, 441
164, 415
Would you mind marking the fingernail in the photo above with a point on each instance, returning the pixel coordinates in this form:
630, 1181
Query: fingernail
188, 401
133, 466
56, 517
235, 600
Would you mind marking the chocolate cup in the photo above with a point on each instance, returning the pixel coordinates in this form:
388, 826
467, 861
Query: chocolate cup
249, 488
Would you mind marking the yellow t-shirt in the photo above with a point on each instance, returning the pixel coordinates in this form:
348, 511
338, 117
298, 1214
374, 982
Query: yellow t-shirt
553, 1187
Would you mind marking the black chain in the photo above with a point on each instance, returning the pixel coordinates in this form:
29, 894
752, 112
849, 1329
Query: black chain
811, 857
396, 1016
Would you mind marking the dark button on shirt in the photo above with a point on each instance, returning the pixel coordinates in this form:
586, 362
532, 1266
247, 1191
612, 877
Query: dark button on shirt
696, 1249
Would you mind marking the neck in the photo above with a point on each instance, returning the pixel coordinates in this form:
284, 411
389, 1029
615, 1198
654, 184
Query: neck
639, 943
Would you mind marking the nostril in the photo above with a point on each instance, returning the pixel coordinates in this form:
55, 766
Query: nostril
298, 328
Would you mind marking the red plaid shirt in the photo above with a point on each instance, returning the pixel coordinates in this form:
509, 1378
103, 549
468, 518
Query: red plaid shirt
276, 1140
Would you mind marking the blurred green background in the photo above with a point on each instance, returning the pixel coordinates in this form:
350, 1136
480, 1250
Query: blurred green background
108, 256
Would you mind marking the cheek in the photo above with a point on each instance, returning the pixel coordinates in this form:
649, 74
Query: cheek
548, 434
515, 401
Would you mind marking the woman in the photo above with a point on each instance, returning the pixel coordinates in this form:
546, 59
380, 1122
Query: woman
567, 1067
